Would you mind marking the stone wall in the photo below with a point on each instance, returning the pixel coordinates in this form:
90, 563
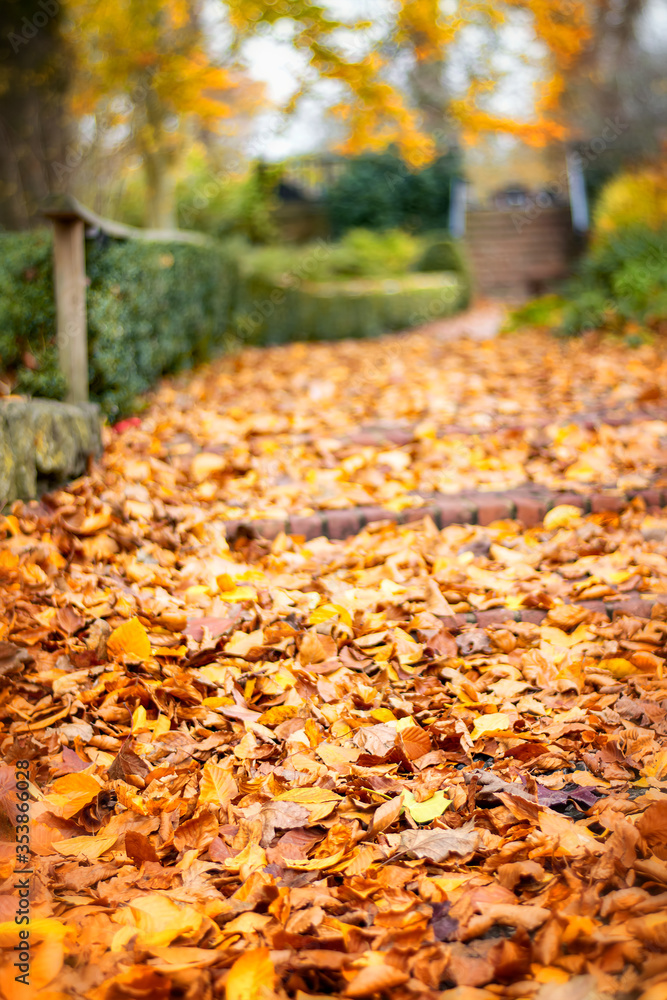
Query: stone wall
43, 444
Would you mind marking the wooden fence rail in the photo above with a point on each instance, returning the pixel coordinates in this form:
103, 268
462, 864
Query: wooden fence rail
72, 222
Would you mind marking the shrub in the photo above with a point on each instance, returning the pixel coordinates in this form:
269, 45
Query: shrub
27, 314
633, 200
152, 308
222, 203
155, 308
379, 191
545, 312
621, 284
225, 205
333, 310
360, 253
364, 253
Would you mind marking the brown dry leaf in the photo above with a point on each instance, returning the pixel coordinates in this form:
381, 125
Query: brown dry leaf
69, 794
384, 816
87, 848
375, 979
139, 848
217, 786
437, 845
127, 764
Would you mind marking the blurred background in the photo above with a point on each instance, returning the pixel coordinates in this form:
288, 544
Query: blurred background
499, 141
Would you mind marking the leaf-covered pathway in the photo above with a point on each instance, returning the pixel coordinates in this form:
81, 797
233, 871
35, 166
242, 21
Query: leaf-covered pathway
287, 768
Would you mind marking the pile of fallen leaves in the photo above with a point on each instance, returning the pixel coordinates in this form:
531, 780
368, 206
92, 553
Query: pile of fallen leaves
281, 771
281, 431
293, 769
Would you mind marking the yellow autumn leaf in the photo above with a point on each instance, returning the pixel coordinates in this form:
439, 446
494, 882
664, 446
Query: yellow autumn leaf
47, 927
657, 768
240, 643
238, 594
326, 612
158, 920
430, 809
513, 601
487, 725
565, 515
618, 667
383, 715
251, 859
162, 725
217, 786
129, 641
313, 864
306, 795
556, 637
550, 974
251, 977
449, 883
139, 719
336, 757
84, 847
279, 713
206, 464
401, 724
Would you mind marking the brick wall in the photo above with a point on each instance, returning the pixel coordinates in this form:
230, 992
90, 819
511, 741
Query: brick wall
514, 256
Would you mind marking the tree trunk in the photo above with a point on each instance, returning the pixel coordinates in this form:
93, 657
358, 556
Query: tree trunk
160, 191
161, 151
33, 121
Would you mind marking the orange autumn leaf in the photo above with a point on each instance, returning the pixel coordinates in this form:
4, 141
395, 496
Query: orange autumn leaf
72, 792
251, 977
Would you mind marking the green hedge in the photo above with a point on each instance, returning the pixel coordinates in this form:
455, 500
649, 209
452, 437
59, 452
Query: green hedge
267, 313
27, 314
152, 309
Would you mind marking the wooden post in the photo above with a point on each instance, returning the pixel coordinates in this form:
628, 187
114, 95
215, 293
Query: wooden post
70, 278
69, 219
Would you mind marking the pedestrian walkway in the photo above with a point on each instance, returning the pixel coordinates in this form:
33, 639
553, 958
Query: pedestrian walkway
425, 759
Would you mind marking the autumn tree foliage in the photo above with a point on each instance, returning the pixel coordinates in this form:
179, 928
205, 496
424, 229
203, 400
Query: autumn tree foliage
149, 76
143, 70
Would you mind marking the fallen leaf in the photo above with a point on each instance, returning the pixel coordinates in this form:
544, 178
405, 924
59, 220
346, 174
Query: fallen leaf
437, 845
129, 642
250, 976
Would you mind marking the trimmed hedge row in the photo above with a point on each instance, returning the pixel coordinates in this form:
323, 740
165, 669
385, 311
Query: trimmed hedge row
266, 313
155, 308
152, 309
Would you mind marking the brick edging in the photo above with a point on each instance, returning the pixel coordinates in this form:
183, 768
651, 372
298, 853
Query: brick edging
634, 604
377, 435
527, 504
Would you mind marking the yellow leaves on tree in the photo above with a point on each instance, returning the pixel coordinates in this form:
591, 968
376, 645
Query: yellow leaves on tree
373, 107
144, 68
